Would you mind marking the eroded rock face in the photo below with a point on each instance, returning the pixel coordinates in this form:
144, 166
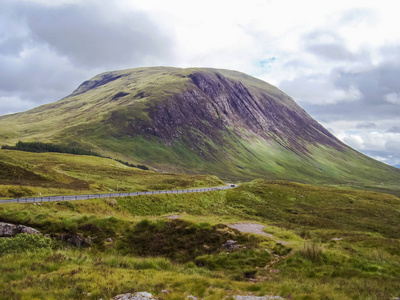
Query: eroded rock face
10, 230
215, 105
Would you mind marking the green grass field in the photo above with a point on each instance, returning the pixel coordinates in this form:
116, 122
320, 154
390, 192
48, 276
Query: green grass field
31, 174
323, 243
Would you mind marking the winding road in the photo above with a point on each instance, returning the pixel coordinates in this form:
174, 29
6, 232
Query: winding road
97, 196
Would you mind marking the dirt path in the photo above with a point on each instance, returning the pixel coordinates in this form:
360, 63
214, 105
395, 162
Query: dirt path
256, 229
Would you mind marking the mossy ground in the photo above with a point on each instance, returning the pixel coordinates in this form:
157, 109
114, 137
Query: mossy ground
342, 244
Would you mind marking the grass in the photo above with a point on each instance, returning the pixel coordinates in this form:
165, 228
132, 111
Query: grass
312, 252
343, 244
31, 174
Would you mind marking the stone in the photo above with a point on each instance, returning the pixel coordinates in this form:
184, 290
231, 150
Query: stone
136, 296
29, 230
10, 230
230, 245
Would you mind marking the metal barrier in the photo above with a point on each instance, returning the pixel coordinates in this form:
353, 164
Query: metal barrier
97, 196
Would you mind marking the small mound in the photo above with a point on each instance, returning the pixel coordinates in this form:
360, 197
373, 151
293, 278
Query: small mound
180, 240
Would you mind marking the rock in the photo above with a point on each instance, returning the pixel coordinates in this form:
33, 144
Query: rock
230, 245
10, 230
29, 230
136, 296
192, 297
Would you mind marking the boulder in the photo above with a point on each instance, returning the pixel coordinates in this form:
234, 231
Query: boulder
29, 230
10, 230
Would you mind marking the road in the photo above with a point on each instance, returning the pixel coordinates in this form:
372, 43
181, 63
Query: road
97, 196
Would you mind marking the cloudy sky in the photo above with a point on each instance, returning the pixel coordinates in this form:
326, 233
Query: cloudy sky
340, 60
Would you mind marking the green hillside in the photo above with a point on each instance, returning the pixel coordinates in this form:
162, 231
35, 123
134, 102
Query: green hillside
198, 121
24, 174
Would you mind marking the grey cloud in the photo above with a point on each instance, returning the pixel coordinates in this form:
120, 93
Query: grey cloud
12, 46
331, 51
94, 35
366, 125
392, 145
40, 76
374, 84
327, 45
394, 129
47, 51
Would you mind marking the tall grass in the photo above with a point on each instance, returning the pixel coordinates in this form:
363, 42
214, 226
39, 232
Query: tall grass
312, 251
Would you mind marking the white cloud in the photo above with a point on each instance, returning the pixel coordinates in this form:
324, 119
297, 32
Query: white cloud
393, 98
367, 140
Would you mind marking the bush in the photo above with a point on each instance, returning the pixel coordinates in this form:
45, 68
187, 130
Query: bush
25, 242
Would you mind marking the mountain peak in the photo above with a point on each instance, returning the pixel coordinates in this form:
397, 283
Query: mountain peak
197, 120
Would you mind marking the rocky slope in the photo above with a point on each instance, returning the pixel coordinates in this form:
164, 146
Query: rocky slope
197, 121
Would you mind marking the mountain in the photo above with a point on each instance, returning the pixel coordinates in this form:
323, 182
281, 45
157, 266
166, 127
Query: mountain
397, 166
197, 120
